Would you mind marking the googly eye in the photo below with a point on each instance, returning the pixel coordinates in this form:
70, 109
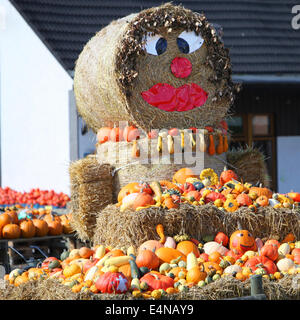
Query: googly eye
241, 234
155, 45
189, 41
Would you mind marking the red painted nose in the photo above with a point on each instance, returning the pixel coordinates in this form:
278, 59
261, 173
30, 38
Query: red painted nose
181, 67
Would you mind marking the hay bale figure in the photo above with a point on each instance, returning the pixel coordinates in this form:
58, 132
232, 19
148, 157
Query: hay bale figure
162, 68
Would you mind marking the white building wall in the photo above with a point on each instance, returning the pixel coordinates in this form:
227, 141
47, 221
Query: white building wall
288, 161
35, 142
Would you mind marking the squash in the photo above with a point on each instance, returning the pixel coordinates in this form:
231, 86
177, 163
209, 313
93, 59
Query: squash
135, 273
152, 245
127, 202
211, 148
188, 246
232, 269
91, 273
164, 267
130, 188
143, 199
220, 148
156, 187
284, 249
147, 258
160, 232
168, 254
191, 261
285, 264
135, 284
196, 274
182, 174
130, 251
117, 261
100, 252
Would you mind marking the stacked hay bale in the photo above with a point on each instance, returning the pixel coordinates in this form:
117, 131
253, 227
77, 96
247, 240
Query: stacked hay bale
115, 69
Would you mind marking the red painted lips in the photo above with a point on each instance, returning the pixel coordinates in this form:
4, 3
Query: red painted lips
168, 98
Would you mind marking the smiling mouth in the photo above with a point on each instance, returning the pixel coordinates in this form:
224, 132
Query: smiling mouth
165, 97
246, 246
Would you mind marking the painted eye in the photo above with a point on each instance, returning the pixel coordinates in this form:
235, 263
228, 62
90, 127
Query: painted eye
155, 45
189, 41
241, 234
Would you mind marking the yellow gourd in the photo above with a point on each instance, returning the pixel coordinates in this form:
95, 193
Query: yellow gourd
191, 261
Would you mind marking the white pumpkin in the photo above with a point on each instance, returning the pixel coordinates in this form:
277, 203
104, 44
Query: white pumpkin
285, 264
232, 269
170, 243
213, 246
284, 249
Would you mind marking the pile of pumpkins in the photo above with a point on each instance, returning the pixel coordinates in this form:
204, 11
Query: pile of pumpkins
167, 266
19, 222
224, 191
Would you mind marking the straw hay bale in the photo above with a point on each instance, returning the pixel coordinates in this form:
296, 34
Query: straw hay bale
91, 191
250, 165
113, 69
127, 228
286, 288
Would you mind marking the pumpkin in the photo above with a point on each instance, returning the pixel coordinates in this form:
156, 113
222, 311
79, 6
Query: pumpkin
55, 228
290, 237
65, 221
196, 274
274, 242
127, 202
14, 216
112, 282
209, 265
168, 185
182, 174
152, 245
147, 258
143, 199
213, 196
296, 252
103, 134
193, 196
242, 241
131, 133
188, 246
221, 238
169, 254
170, 203
11, 231
129, 188
285, 264
295, 196
71, 270
227, 175
116, 134
215, 257
212, 246
41, 227
85, 252
157, 281
263, 201
231, 205
175, 271
260, 191
270, 251
261, 262
5, 219
115, 253
244, 200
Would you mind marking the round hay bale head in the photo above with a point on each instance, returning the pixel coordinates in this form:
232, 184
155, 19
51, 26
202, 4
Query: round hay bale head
116, 71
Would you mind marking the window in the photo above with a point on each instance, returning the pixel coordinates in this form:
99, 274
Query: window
256, 130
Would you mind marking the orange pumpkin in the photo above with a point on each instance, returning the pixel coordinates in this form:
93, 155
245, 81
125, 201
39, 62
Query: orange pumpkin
27, 229
260, 191
209, 265
41, 227
5, 219
142, 200
103, 134
55, 228
243, 200
115, 253
182, 174
133, 187
290, 237
11, 231
14, 216
147, 258
242, 241
186, 247
168, 254
126, 270
227, 175
263, 201
195, 274
215, 257
85, 252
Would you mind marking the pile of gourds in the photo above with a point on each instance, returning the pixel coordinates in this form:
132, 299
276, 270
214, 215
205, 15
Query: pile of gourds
167, 266
224, 191
18, 222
